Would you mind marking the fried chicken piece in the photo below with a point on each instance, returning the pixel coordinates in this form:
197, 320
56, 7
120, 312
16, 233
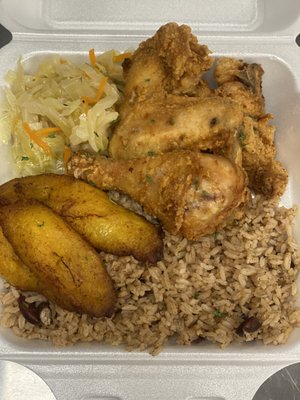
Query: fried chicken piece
167, 104
189, 192
185, 123
172, 61
242, 83
266, 175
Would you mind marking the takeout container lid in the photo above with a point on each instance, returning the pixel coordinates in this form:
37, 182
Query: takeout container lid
263, 31
262, 18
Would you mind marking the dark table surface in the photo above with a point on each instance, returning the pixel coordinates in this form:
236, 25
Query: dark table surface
5, 36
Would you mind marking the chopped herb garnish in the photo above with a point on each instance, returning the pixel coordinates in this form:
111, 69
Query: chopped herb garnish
215, 235
92, 183
105, 263
96, 133
171, 121
196, 295
149, 178
151, 153
196, 184
152, 120
52, 135
31, 145
40, 224
204, 193
218, 314
24, 158
147, 80
242, 135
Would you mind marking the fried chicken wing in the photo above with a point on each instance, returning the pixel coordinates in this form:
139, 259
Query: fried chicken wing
172, 61
266, 174
242, 83
189, 192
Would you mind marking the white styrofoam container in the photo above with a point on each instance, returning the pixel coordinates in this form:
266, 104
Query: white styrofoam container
263, 31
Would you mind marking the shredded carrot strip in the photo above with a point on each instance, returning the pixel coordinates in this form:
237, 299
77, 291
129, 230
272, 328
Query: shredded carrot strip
121, 57
46, 131
93, 100
101, 88
36, 139
92, 56
67, 155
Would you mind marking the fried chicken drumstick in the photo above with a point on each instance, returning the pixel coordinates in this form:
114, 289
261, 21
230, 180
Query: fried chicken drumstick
189, 192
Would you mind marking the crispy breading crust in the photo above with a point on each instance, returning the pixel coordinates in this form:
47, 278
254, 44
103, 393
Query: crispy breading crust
191, 193
242, 83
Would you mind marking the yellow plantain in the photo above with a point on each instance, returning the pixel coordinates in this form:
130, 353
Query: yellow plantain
13, 270
104, 224
69, 271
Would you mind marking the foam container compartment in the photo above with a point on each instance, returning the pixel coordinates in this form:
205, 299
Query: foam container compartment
262, 31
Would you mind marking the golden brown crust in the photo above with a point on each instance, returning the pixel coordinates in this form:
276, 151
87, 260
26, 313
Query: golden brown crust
189, 192
178, 58
242, 83
266, 174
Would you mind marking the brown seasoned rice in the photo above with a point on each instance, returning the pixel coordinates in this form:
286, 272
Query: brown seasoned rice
200, 290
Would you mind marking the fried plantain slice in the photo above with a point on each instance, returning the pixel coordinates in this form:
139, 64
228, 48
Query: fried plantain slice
69, 270
13, 270
104, 224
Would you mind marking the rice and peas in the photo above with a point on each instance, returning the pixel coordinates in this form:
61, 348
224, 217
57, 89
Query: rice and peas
238, 284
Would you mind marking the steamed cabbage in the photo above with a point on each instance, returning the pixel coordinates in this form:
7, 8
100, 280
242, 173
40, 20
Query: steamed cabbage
55, 97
